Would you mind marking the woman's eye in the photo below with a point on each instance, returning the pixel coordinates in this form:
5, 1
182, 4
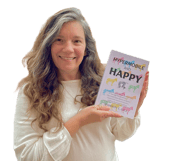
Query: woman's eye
58, 39
77, 41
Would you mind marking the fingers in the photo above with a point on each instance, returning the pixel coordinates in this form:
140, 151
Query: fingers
103, 108
147, 72
145, 84
106, 114
146, 75
114, 114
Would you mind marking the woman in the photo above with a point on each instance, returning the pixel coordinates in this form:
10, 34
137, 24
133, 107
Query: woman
55, 115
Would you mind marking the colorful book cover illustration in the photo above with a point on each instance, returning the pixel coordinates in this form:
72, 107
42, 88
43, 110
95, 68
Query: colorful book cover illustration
122, 83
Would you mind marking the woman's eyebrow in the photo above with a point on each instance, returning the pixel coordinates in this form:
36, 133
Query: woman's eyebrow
79, 37
60, 36
75, 37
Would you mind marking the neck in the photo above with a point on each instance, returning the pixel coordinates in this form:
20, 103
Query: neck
68, 77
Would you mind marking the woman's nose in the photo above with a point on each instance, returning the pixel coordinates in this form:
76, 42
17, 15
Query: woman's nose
68, 47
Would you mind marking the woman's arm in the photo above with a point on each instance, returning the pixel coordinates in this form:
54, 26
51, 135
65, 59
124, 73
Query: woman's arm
33, 143
73, 125
124, 128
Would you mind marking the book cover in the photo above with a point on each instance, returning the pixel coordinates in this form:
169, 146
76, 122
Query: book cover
122, 83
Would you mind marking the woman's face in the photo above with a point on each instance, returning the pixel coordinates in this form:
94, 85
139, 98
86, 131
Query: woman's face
68, 48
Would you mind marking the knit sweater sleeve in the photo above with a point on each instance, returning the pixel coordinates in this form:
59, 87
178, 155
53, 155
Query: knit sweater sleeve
32, 143
124, 128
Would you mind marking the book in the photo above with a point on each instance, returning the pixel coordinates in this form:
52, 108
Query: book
122, 83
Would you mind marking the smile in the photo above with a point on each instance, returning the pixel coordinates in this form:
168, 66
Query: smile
67, 58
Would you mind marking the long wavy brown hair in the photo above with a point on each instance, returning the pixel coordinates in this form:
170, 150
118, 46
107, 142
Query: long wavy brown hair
42, 86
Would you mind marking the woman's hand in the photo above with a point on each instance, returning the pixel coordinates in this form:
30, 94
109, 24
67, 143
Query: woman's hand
95, 113
143, 92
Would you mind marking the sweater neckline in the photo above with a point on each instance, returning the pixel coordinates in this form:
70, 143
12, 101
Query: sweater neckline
71, 81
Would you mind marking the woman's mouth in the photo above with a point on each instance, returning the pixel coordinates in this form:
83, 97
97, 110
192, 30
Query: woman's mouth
66, 58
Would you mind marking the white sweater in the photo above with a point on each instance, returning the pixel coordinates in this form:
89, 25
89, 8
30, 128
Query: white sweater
93, 142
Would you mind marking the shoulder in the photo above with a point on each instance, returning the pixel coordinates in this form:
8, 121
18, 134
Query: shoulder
103, 67
104, 64
21, 90
21, 105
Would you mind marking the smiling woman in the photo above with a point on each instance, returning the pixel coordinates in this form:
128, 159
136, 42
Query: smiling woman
68, 50
55, 117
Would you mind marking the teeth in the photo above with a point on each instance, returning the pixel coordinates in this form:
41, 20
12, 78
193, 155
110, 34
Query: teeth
66, 58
